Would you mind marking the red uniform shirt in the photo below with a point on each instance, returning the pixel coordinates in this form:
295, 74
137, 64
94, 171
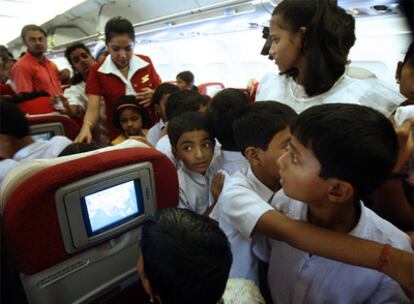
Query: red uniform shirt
106, 80
32, 74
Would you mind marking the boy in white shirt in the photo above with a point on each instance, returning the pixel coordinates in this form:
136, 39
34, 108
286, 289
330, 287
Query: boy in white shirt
193, 145
262, 133
338, 153
223, 110
16, 144
159, 99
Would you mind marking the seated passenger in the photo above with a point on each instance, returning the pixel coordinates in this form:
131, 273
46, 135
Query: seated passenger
77, 148
130, 118
222, 110
262, 144
16, 144
405, 76
161, 94
338, 153
185, 81
185, 259
193, 145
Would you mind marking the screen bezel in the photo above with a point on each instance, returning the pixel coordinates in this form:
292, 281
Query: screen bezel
68, 201
85, 212
55, 128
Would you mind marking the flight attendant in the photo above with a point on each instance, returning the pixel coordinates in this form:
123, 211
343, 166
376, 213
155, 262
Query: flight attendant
121, 73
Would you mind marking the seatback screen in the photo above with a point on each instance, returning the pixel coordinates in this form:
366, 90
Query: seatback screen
42, 136
112, 206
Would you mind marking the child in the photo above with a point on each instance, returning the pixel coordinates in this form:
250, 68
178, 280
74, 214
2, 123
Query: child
178, 103
185, 258
338, 153
16, 144
129, 117
223, 109
312, 38
161, 94
261, 143
185, 81
405, 75
193, 145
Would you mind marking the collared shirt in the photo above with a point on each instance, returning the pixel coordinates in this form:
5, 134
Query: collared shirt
106, 80
194, 189
43, 149
370, 92
229, 161
154, 134
164, 146
76, 96
243, 200
296, 277
32, 74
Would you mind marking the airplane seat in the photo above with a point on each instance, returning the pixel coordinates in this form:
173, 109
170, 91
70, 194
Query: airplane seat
72, 228
39, 105
210, 88
46, 126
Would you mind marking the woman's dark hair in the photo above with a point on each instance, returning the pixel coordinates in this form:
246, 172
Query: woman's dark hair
118, 26
329, 35
76, 78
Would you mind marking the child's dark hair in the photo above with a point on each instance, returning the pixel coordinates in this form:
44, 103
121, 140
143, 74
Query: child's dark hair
409, 56
330, 33
187, 122
77, 78
161, 90
353, 143
186, 76
183, 101
118, 26
77, 148
260, 122
13, 121
224, 108
128, 101
187, 257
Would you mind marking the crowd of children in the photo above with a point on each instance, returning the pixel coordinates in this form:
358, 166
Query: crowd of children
276, 191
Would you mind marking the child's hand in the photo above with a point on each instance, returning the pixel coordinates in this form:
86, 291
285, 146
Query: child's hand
145, 97
217, 185
142, 139
406, 144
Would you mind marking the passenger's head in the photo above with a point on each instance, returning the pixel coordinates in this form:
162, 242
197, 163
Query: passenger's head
184, 101
191, 140
405, 74
160, 96
224, 108
129, 116
185, 258
14, 128
35, 39
77, 148
185, 80
262, 133
338, 153
312, 38
119, 39
81, 60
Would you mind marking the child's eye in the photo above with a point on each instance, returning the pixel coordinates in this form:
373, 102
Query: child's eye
187, 148
207, 145
294, 158
275, 40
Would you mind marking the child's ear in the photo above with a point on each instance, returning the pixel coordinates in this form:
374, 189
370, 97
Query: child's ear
340, 191
174, 151
252, 155
398, 71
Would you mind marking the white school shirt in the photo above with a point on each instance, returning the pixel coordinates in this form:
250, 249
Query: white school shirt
194, 189
43, 149
296, 277
154, 133
164, 146
228, 161
76, 96
242, 202
370, 92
